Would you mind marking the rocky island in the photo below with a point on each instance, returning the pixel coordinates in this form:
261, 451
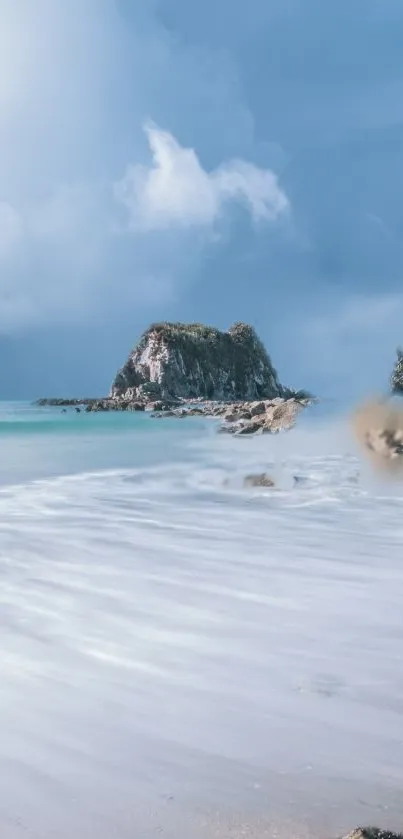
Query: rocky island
196, 361
180, 370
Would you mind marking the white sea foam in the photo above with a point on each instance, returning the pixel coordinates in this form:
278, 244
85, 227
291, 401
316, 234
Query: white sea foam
174, 645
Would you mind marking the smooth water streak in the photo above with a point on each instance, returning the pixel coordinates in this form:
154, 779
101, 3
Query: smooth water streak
180, 655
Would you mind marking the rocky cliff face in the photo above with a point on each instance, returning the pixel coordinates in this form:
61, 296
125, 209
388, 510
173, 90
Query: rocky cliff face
192, 360
396, 379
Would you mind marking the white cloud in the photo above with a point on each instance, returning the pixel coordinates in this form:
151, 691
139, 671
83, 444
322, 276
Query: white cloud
175, 191
62, 261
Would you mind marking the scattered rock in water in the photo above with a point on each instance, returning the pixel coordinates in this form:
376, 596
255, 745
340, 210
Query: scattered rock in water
102, 405
241, 418
259, 480
62, 402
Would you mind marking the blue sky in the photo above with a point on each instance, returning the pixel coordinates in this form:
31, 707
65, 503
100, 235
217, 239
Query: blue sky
210, 161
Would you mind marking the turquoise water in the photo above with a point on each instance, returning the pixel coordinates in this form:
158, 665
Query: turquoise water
40, 442
182, 657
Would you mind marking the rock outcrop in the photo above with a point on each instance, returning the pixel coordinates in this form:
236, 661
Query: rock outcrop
241, 418
396, 379
267, 417
194, 361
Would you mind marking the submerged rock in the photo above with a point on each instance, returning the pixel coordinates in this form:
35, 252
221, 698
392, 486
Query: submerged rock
193, 361
260, 480
227, 429
298, 480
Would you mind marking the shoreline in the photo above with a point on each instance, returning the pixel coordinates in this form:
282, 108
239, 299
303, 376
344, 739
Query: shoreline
238, 417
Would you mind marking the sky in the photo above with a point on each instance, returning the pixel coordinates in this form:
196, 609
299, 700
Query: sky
215, 161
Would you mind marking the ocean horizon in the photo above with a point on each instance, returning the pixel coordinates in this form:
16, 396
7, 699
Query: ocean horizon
185, 657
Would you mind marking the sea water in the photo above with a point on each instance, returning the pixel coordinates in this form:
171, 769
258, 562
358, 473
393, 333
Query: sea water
184, 657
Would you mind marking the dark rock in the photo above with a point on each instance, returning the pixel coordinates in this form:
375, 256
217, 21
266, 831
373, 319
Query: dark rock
104, 405
257, 408
251, 427
61, 402
150, 390
260, 480
232, 416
